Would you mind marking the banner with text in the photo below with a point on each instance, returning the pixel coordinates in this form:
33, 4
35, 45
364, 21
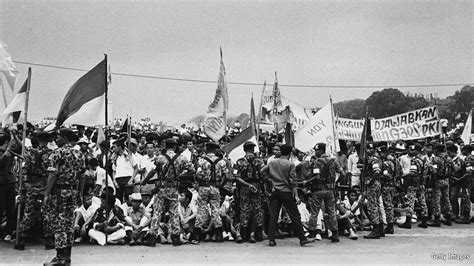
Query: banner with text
416, 124
318, 129
349, 129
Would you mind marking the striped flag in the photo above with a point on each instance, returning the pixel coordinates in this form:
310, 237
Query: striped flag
235, 149
17, 105
84, 104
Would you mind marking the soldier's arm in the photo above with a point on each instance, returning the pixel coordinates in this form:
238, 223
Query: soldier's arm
150, 174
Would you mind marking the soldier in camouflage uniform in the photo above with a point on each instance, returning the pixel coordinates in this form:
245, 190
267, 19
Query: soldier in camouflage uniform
247, 174
35, 166
415, 182
169, 167
65, 180
442, 167
388, 184
322, 184
460, 184
211, 173
374, 190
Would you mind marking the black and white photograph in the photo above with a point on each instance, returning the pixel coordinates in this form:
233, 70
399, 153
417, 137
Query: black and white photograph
236, 132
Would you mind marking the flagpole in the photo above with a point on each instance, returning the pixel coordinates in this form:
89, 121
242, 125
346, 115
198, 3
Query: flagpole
20, 176
259, 117
106, 135
333, 125
275, 107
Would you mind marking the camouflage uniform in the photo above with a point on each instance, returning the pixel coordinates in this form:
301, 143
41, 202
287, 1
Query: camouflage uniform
322, 189
248, 169
441, 166
418, 173
461, 166
209, 190
68, 164
374, 170
36, 164
166, 198
388, 187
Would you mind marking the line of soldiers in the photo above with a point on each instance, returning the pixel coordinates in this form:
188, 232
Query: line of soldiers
55, 180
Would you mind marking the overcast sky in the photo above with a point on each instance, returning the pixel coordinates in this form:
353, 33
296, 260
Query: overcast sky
306, 42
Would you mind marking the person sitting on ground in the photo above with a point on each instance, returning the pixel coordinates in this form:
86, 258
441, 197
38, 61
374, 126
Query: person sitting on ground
107, 220
83, 215
137, 219
344, 215
187, 217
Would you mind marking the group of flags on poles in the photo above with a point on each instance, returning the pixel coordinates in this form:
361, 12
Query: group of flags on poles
85, 104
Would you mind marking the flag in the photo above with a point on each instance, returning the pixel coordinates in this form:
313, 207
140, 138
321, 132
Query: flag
7, 67
253, 118
366, 136
17, 104
84, 104
235, 149
125, 127
215, 120
466, 133
318, 129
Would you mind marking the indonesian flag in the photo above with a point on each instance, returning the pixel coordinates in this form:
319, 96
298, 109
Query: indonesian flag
84, 104
215, 120
7, 67
235, 149
17, 105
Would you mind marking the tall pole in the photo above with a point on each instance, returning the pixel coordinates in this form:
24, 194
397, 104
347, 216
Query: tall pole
333, 126
23, 150
259, 116
106, 94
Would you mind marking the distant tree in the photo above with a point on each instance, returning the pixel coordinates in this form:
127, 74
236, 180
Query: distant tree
391, 101
463, 100
353, 109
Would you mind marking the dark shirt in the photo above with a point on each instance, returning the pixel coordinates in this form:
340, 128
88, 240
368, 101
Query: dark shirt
7, 163
282, 173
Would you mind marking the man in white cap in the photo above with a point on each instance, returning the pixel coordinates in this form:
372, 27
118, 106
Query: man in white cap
137, 219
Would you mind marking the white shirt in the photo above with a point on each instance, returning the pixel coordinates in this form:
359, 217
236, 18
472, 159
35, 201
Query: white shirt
149, 164
405, 162
123, 166
100, 178
352, 164
187, 154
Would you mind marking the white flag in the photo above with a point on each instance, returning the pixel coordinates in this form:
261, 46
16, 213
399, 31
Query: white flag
466, 133
318, 129
7, 67
215, 120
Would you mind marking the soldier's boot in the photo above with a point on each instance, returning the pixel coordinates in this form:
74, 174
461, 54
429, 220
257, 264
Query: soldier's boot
435, 223
381, 231
49, 242
20, 244
150, 241
463, 220
243, 234
389, 230
448, 220
259, 234
219, 236
423, 223
252, 238
334, 237
375, 234
407, 223
60, 258
67, 254
175, 240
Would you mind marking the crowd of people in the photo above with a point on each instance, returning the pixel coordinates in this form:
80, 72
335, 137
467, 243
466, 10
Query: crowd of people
179, 187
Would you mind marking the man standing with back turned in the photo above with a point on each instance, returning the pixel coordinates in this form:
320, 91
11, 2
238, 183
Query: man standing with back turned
281, 172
